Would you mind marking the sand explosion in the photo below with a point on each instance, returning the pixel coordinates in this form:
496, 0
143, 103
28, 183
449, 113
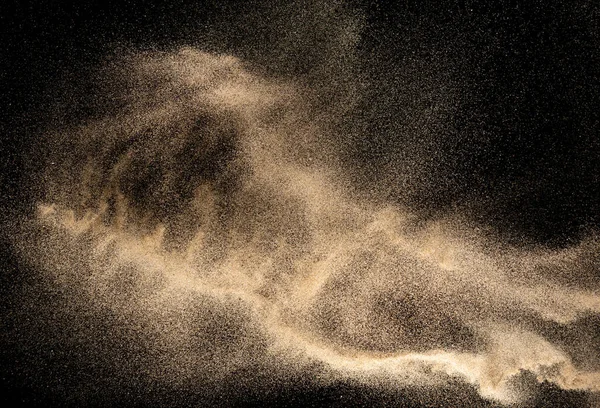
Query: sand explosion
208, 213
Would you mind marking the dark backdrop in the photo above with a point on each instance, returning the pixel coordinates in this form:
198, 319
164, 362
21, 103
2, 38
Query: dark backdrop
517, 152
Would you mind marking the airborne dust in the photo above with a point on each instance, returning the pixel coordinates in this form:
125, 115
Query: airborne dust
210, 213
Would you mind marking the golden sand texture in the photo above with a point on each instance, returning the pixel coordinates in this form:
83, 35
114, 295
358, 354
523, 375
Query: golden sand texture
205, 214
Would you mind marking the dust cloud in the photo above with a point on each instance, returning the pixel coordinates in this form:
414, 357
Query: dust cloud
208, 211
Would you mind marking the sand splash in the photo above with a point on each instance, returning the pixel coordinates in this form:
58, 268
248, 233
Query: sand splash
207, 198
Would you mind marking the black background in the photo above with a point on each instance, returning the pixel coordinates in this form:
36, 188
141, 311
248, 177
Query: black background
521, 156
